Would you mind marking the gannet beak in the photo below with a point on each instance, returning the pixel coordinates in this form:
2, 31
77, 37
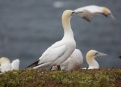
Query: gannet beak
101, 54
111, 15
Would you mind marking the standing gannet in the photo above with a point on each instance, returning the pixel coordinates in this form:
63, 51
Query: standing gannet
5, 64
15, 64
62, 50
74, 62
90, 58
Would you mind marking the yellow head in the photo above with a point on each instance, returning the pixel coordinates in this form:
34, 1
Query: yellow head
67, 14
94, 53
107, 12
4, 60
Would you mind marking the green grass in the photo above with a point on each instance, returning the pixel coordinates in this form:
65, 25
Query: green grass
46, 78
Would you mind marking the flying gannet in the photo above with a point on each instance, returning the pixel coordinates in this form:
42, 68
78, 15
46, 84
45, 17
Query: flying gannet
7, 66
76, 59
62, 50
90, 58
87, 12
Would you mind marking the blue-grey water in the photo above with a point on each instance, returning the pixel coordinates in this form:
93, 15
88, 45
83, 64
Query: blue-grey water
29, 27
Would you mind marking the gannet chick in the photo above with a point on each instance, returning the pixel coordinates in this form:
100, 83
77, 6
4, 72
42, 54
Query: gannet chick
74, 62
15, 64
5, 64
90, 58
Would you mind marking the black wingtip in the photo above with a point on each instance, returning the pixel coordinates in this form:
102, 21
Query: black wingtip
119, 57
33, 64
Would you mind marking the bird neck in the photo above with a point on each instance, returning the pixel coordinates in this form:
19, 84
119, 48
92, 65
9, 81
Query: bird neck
67, 27
92, 62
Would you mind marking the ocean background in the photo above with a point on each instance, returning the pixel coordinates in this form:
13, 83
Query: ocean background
29, 27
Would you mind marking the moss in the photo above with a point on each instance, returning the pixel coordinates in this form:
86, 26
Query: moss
46, 78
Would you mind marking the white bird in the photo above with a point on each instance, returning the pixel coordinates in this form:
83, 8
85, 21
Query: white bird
90, 58
88, 12
5, 64
62, 50
74, 62
15, 64
76, 59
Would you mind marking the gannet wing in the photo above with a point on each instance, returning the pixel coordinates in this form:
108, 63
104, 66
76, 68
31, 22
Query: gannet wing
50, 55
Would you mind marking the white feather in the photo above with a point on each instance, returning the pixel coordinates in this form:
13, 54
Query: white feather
74, 62
15, 64
91, 8
5, 67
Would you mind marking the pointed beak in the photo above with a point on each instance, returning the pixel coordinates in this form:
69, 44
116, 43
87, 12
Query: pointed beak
111, 15
101, 54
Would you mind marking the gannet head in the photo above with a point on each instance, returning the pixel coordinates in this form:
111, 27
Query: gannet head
88, 12
4, 60
67, 14
94, 53
106, 12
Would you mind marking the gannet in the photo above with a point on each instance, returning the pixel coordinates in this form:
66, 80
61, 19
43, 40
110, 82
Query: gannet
15, 64
62, 50
87, 12
5, 64
90, 58
74, 62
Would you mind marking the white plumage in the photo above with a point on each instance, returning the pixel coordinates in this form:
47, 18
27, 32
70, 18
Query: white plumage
5, 64
74, 62
15, 64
